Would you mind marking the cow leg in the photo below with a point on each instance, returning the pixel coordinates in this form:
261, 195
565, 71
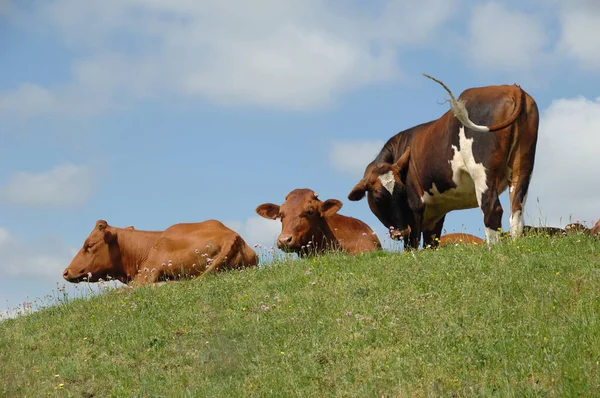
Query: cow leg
518, 196
146, 276
413, 240
492, 214
432, 238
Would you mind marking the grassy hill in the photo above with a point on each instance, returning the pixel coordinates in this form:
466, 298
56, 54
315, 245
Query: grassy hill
520, 320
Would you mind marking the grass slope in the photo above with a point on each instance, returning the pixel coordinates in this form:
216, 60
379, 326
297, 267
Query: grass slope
520, 320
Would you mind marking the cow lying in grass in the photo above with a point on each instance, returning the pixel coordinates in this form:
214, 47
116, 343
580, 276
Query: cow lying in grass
460, 238
182, 250
580, 228
309, 225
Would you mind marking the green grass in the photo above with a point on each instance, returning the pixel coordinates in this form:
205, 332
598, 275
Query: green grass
520, 320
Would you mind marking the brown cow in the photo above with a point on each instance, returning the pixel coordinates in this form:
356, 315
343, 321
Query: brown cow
310, 225
550, 231
580, 228
185, 249
596, 228
452, 163
460, 238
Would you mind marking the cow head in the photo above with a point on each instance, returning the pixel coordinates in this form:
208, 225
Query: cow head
98, 258
596, 228
302, 215
388, 195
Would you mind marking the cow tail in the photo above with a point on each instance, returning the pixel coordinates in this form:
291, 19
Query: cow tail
460, 110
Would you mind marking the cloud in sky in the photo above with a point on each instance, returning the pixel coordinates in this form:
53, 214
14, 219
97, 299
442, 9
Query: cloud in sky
566, 172
580, 32
352, 157
44, 259
64, 185
257, 230
282, 54
504, 39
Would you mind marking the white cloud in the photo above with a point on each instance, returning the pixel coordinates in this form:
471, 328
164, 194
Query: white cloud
566, 171
503, 39
44, 259
352, 157
64, 185
275, 53
257, 230
580, 32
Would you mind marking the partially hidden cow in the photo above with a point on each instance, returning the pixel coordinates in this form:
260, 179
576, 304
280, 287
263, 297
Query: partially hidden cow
543, 231
580, 228
485, 144
460, 238
182, 250
309, 225
596, 228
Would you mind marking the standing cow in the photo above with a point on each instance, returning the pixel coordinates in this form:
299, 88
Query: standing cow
185, 249
452, 163
310, 225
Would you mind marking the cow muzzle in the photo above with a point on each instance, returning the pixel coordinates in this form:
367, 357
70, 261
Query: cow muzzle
73, 277
68, 276
400, 234
284, 241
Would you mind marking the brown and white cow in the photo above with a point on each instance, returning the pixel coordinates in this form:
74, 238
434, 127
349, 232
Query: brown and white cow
452, 163
186, 249
460, 238
309, 225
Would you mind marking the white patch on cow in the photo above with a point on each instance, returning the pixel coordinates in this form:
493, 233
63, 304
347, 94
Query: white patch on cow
471, 182
491, 236
516, 223
388, 181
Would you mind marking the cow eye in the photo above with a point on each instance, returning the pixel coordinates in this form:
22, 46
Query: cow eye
309, 212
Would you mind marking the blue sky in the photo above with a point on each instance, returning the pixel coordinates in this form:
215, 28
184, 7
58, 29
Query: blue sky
149, 113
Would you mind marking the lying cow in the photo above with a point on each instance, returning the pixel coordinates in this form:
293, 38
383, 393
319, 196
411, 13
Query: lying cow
580, 228
452, 163
460, 238
309, 225
186, 249
551, 231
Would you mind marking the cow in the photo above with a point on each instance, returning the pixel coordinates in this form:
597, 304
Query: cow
582, 229
596, 228
550, 231
182, 250
462, 238
452, 163
310, 226
576, 227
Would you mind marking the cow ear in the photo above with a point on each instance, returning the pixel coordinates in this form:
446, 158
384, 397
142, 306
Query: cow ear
330, 207
402, 163
110, 235
268, 210
101, 225
358, 192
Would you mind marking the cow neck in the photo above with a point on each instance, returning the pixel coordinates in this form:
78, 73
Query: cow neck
134, 246
397, 150
327, 236
413, 165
